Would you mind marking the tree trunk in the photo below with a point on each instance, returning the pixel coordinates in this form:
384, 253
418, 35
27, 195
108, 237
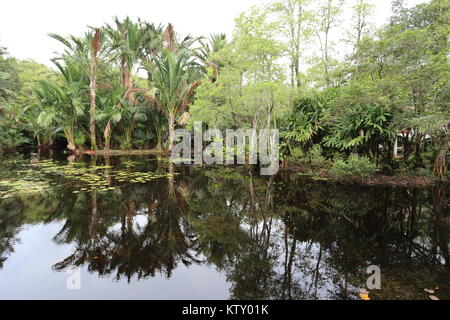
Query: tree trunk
297, 70
93, 89
70, 140
440, 166
171, 132
95, 47
395, 150
127, 83
71, 146
159, 142
131, 97
107, 135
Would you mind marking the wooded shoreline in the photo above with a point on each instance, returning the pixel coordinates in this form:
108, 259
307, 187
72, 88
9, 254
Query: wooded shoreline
381, 106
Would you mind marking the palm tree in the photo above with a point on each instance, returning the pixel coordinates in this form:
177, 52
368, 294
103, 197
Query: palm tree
176, 75
95, 48
154, 44
215, 43
159, 124
87, 51
128, 41
110, 113
63, 104
40, 128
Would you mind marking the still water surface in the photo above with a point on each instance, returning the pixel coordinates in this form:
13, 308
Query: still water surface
139, 228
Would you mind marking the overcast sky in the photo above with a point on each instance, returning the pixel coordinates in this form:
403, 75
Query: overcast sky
24, 24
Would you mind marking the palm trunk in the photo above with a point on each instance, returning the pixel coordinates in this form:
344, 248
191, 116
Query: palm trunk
159, 140
95, 47
131, 97
107, 135
127, 84
171, 131
93, 89
70, 139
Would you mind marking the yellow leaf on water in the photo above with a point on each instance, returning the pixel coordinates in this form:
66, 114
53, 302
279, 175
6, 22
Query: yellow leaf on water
364, 296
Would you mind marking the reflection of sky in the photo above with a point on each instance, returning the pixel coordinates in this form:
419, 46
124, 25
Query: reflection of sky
27, 274
140, 221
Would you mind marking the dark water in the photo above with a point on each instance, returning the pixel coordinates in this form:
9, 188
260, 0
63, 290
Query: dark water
213, 233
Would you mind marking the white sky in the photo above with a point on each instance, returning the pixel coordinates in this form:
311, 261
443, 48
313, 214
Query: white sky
24, 24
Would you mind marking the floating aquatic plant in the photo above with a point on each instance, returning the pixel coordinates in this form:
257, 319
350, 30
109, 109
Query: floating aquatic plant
39, 177
10, 188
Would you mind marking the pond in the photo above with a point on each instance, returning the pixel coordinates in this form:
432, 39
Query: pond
138, 227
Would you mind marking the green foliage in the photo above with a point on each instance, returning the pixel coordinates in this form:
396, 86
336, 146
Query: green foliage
10, 134
11, 127
308, 119
175, 76
359, 128
248, 91
395, 80
354, 166
312, 159
315, 156
297, 155
63, 105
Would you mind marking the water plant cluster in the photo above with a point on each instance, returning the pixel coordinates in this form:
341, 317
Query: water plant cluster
43, 176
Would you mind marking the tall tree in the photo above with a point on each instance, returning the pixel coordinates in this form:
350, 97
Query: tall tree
87, 52
208, 49
175, 76
62, 104
294, 16
360, 21
95, 48
250, 88
406, 69
327, 17
127, 42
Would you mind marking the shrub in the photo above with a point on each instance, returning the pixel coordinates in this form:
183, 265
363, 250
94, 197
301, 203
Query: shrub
297, 155
79, 139
359, 166
10, 134
315, 156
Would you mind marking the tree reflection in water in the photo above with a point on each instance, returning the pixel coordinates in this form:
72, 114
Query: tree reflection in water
282, 237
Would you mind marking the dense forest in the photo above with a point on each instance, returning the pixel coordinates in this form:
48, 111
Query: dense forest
383, 106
